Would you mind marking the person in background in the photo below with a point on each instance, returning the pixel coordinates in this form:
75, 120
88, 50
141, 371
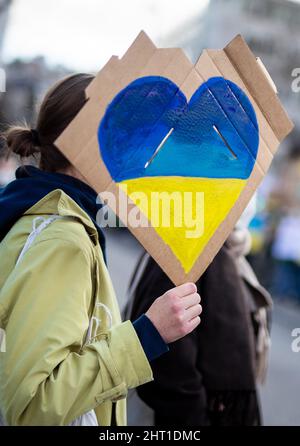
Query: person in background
209, 377
286, 240
286, 252
68, 358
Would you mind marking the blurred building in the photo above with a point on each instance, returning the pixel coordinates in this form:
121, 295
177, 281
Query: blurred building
26, 82
4, 9
270, 27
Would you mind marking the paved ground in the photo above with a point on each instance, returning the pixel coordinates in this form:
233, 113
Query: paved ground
281, 395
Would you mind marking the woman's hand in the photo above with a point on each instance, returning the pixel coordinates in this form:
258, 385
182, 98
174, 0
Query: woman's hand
176, 313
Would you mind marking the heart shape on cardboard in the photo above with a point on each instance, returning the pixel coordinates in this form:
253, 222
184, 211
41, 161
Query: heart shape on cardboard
208, 144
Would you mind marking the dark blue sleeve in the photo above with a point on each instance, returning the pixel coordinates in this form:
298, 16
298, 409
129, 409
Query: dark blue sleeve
152, 342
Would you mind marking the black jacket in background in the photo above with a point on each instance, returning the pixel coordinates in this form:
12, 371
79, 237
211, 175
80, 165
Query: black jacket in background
208, 377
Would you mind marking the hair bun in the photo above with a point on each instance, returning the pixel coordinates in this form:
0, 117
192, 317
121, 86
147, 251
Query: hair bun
22, 141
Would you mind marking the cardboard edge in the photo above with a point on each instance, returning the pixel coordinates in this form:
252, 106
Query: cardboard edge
246, 64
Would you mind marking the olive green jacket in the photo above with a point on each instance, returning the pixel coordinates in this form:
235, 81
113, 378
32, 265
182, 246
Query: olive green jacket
49, 375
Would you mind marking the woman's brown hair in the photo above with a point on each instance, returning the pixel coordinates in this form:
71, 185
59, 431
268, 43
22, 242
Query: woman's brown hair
60, 105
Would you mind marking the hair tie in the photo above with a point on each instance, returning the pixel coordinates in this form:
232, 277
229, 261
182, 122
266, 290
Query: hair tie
35, 137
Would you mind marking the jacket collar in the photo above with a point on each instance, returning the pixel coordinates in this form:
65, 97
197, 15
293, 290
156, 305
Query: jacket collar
58, 202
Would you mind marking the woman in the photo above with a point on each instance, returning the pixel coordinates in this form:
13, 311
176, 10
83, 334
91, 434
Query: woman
68, 359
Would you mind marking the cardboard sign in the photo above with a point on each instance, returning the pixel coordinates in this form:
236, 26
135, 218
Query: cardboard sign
162, 134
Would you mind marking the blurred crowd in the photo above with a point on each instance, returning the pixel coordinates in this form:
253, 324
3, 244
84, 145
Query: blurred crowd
275, 231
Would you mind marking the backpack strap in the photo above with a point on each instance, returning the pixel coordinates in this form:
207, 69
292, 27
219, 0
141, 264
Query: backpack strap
36, 230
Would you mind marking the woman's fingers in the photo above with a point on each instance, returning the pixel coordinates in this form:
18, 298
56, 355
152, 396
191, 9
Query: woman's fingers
192, 299
193, 323
183, 290
176, 312
192, 312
